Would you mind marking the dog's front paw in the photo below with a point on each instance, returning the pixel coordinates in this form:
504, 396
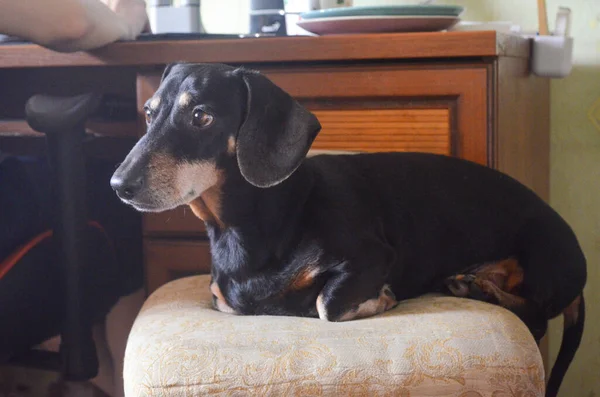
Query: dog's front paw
385, 301
219, 302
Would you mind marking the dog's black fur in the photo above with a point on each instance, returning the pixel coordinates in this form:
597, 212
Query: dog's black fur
324, 236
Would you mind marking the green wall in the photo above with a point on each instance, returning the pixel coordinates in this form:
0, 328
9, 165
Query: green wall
575, 162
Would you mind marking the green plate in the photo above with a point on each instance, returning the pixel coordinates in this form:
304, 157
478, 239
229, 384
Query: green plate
403, 10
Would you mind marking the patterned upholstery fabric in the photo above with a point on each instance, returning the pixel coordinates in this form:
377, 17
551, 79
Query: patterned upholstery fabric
430, 346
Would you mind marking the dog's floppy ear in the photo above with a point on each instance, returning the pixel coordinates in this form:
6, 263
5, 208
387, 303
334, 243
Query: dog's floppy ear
276, 134
167, 71
169, 67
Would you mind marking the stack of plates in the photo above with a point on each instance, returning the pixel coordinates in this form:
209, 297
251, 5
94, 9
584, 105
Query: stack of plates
380, 19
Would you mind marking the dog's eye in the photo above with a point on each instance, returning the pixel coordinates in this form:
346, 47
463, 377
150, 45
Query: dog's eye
148, 115
201, 119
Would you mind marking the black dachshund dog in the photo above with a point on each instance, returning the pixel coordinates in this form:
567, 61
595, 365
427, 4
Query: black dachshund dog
337, 236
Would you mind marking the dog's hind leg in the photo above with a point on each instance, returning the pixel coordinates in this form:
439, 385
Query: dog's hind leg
499, 283
532, 316
506, 275
465, 286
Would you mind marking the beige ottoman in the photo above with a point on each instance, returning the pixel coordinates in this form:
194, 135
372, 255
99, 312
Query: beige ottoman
431, 346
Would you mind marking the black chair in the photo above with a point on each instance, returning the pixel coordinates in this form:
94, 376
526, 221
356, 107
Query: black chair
62, 120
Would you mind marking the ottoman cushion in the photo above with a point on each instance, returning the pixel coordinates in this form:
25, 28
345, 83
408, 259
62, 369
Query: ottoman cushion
429, 346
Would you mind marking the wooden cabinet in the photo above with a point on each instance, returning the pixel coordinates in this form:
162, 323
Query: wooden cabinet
171, 259
452, 107
180, 222
376, 128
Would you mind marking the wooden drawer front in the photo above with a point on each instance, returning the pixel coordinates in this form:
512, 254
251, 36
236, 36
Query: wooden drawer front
180, 221
404, 91
167, 260
376, 130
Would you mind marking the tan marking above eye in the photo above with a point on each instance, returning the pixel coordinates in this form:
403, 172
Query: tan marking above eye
185, 99
154, 102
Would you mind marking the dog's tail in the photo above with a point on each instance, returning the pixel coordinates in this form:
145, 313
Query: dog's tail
574, 319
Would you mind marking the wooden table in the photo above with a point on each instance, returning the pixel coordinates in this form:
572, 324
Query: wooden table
467, 94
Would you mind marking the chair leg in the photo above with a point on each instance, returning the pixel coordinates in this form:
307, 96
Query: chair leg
77, 345
63, 121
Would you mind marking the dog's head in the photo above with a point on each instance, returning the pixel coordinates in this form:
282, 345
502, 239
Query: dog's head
204, 117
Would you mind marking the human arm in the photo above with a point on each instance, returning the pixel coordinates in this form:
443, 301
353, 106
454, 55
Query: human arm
73, 25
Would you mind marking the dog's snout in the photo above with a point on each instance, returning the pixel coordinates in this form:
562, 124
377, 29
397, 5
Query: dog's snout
126, 188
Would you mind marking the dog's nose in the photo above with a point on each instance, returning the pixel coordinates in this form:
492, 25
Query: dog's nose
128, 188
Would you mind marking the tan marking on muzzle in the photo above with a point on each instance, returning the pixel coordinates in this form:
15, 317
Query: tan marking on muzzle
185, 99
162, 171
197, 176
180, 182
231, 146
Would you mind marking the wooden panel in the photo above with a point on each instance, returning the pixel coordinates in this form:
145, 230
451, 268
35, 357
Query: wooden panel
279, 49
375, 130
522, 140
168, 259
464, 89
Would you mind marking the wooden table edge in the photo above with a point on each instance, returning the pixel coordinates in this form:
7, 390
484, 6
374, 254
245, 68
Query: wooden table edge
359, 47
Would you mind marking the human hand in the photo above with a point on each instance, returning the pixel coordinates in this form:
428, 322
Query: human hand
133, 13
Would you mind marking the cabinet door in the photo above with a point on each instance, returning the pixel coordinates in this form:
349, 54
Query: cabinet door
377, 128
429, 108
